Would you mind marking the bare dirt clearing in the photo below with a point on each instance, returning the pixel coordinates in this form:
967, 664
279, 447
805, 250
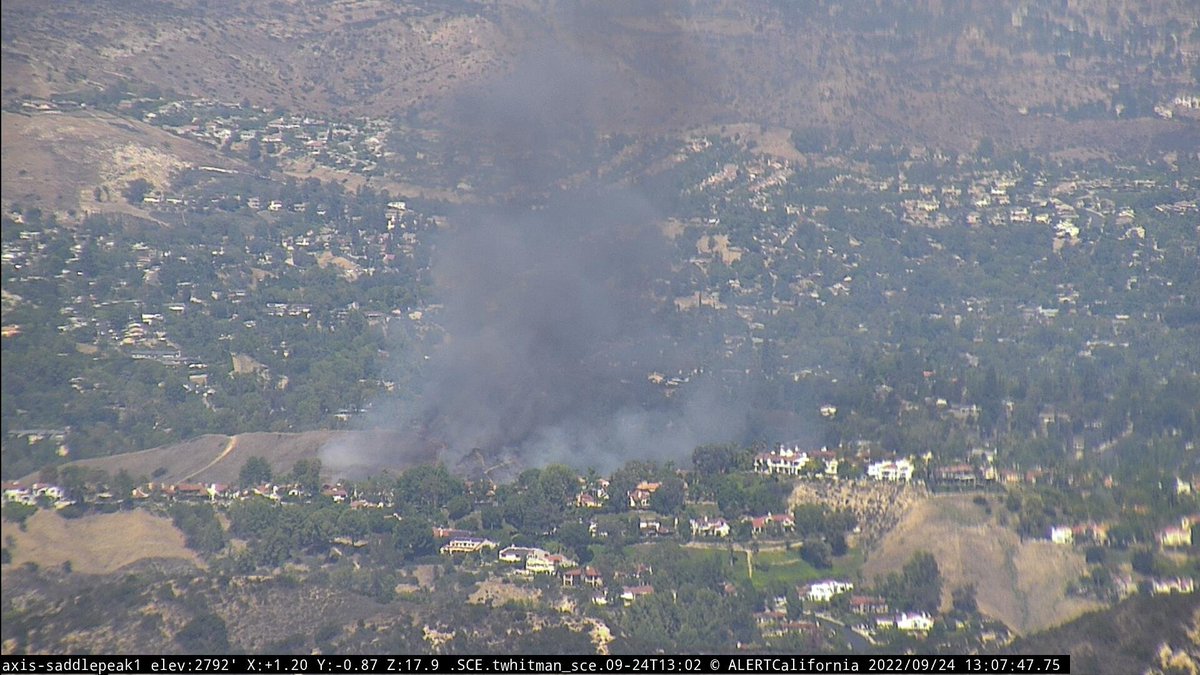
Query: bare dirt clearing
1022, 583
877, 507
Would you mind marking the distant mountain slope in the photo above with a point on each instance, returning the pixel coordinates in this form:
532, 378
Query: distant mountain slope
946, 74
1125, 639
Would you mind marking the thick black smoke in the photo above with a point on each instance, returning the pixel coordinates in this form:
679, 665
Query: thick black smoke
551, 316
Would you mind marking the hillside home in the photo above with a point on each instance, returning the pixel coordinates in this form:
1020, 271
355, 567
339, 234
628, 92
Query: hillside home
710, 527
467, 545
868, 604
639, 497
788, 461
518, 554
894, 471
823, 591
779, 522
631, 593
914, 623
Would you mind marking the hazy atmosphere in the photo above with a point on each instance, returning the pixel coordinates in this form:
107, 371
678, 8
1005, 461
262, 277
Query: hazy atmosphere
463, 327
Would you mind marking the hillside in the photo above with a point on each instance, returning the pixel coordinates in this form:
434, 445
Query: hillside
1129, 638
941, 73
1022, 583
215, 458
96, 544
81, 162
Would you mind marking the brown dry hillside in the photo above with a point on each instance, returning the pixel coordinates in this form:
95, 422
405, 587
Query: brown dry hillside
94, 544
1020, 583
321, 56
57, 160
216, 458
944, 73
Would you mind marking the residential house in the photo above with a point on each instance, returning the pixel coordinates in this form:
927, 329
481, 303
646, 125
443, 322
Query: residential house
961, 474
588, 500
518, 554
639, 497
823, 591
592, 577
14, 492
631, 593
868, 604
191, 491
899, 470
829, 459
787, 460
653, 527
914, 622
770, 618
777, 522
710, 527
536, 564
799, 628
335, 492
48, 491
467, 545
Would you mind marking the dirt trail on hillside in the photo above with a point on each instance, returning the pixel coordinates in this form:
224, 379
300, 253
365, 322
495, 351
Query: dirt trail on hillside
1022, 583
224, 453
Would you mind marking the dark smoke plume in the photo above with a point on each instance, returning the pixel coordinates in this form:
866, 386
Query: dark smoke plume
551, 319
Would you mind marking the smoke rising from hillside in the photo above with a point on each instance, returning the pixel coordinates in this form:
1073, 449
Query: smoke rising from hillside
551, 321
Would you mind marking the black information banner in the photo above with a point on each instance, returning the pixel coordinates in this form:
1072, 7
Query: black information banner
338, 665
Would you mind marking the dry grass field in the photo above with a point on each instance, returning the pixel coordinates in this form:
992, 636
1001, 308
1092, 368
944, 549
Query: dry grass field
95, 544
216, 458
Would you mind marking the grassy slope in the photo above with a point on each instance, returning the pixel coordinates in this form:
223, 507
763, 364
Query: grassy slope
95, 544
